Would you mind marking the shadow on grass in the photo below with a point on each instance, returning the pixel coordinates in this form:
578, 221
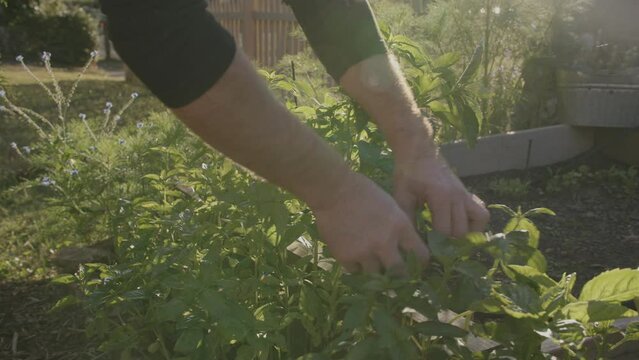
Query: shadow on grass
29, 330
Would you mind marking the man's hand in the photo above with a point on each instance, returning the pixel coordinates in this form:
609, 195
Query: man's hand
426, 178
420, 176
365, 230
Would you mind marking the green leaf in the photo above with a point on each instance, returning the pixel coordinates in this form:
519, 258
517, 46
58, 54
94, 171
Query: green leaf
539, 211
356, 316
533, 275
171, 310
214, 303
310, 303
477, 238
64, 279
427, 83
365, 349
470, 124
436, 328
472, 269
523, 224
155, 177
520, 301
438, 107
446, 60
614, 285
514, 250
591, 311
153, 347
65, 302
503, 208
189, 341
473, 65
442, 249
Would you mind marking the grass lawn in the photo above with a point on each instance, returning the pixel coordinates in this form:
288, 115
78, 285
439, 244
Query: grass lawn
18, 216
93, 92
15, 74
27, 329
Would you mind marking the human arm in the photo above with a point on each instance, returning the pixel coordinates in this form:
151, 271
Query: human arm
345, 37
237, 114
421, 175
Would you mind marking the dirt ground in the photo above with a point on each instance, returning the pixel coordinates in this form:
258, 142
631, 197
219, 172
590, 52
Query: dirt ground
597, 223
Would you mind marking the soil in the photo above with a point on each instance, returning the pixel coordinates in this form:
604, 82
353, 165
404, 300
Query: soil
597, 224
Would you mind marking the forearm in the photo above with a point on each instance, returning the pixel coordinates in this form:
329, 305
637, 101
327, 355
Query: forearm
240, 117
346, 39
379, 87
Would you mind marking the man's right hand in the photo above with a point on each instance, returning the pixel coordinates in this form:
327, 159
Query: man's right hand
365, 230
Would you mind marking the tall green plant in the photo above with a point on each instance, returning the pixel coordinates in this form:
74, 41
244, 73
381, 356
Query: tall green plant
212, 262
512, 33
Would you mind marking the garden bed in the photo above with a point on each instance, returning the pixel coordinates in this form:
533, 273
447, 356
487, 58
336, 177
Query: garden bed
597, 224
596, 228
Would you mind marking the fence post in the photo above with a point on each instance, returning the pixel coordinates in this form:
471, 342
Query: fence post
248, 29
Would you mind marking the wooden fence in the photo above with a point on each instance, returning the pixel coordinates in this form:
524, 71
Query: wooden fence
261, 27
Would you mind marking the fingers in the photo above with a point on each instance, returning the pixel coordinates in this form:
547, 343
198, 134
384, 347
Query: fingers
442, 217
392, 261
408, 203
478, 215
370, 265
412, 243
459, 219
351, 267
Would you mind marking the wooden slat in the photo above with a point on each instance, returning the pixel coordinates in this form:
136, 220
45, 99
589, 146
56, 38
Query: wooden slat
262, 27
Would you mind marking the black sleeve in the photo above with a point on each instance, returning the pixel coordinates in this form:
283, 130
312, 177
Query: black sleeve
341, 32
176, 48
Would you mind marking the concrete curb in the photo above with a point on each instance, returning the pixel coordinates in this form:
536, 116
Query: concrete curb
518, 150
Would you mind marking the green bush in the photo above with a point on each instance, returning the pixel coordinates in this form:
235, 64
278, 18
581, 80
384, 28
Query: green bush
512, 32
68, 36
204, 265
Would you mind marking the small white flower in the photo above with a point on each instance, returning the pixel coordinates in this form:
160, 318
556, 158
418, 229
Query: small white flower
19, 58
139, 125
134, 95
205, 166
482, 11
3, 93
83, 116
117, 118
14, 145
26, 150
108, 105
47, 182
94, 54
46, 56
497, 10
121, 141
107, 111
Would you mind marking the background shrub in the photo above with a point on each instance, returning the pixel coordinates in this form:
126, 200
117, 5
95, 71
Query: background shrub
28, 28
72, 42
